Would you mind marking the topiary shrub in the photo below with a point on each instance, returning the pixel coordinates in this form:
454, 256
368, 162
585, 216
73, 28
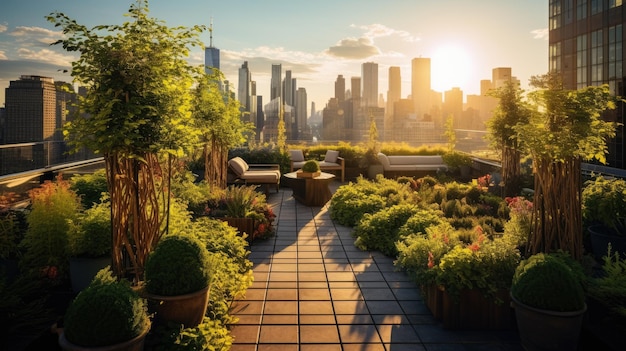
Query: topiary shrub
180, 264
545, 281
107, 312
311, 166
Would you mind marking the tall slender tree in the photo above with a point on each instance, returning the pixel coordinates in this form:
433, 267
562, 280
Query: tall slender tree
564, 129
136, 108
511, 111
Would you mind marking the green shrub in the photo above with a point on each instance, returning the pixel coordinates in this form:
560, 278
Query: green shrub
351, 202
610, 288
105, 313
90, 234
90, 187
545, 281
311, 166
208, 335
380, 230
421, 220
604, 202
180, 264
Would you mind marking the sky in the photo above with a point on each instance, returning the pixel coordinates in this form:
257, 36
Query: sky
317, 40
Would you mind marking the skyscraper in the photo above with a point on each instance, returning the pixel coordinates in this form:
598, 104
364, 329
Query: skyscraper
395, 89
369, 76
586, 48
355, 87
288, 92
301, 111
30, 110
340, 89
211, 54
275, 83
420, 86
243, 88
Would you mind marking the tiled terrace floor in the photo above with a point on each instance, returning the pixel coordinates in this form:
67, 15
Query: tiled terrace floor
314, 290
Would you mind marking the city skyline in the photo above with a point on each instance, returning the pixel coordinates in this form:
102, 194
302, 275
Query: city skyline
465, 40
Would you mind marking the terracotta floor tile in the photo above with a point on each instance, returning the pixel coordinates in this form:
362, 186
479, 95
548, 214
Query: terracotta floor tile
281, 319
316, 307
279, 334
346, 294
313, 294
350, 307
281, 307
400, 333
361, 333
317, 319
319, 334
282, 294
245, 334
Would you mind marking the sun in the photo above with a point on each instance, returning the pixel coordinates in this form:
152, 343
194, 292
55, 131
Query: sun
450, 67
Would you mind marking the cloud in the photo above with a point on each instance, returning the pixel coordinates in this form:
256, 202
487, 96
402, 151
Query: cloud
378, 30
45, 55
3, 27
35, 34
353, 48
3, 56
540, 33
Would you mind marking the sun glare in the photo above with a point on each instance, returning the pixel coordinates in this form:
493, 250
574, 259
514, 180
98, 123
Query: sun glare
450, 67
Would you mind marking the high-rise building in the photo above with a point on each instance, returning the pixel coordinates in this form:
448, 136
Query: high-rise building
211, 54
586, 48
453, 107
288, 92
394, 93
369, 91
420, 86
355, 87
301, 112
275, 83
340, 89
30, 110
244, 86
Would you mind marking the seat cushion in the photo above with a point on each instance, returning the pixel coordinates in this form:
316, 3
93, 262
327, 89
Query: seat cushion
238, 165
296, 155
265, 177
331, 156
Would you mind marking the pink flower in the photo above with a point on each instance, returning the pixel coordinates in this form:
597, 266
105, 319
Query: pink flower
431, 260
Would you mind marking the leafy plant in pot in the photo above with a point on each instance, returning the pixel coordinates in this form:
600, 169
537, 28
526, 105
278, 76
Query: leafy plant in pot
89, 244
108, 312
604, 211
549, 301
177, 280
310, 169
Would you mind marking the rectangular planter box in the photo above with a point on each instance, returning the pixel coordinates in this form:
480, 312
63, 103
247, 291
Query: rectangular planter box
475, 312
244, 225
301, 174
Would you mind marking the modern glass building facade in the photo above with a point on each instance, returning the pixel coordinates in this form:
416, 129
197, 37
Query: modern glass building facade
586, 47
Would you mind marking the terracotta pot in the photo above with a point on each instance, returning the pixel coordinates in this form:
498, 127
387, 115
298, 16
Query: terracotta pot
135, 344
544, 330
188, 309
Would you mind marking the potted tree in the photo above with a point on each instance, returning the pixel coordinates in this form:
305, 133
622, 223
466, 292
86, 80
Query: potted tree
178, 279
107, 315
310, 169
89, 244
549, 301
604, 211
458, 162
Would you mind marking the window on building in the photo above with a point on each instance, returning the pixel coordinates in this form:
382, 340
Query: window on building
555, 14
555, 57
597, 58
615, 56
614, 3
596, 6
581, 9
568, 11
581, 61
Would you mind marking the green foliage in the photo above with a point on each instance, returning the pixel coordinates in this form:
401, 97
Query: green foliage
180, 264
420, 221
450, 133
380, 230
232, 271
604, 202
24, 310
311, 166
455, 159
268, 154
511, 111
90, 234
90, 187
610, 288
138, 84
517, 228
210, 335
105, 313
546, 281
53, 206
12, 231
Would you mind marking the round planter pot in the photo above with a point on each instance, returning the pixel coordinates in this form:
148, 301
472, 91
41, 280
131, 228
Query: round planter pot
544, 330
188, 309
135, 344
83, 270
600, 239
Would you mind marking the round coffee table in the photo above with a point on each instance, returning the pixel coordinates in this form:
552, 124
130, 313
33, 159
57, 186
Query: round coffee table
311, 191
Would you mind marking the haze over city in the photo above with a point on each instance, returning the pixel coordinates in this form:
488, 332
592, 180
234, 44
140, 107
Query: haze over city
315, 40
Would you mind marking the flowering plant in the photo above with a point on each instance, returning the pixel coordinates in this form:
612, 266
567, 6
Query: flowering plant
518, 228
440, 257
244, 202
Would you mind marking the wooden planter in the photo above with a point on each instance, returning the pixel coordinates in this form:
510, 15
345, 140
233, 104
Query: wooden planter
302, 174
244, 225
471, 312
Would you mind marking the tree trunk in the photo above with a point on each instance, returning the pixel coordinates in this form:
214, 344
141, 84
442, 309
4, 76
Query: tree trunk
557, 215
511, 171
